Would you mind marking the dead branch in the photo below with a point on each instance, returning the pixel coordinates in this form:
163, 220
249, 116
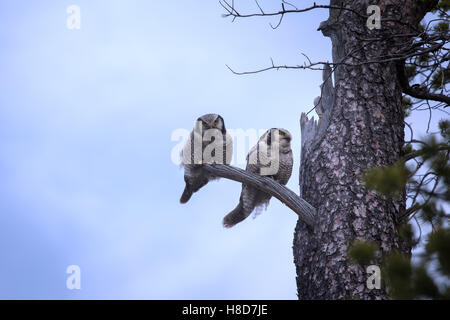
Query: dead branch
303, 209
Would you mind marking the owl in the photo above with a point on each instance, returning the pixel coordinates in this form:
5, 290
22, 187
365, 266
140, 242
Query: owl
209, 143
271, 156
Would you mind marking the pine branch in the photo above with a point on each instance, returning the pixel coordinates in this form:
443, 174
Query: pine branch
417, 93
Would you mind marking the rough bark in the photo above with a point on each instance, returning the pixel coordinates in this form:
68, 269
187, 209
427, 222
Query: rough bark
361, 126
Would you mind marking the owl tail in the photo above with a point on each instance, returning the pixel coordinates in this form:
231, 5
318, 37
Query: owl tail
235, 216
187, 194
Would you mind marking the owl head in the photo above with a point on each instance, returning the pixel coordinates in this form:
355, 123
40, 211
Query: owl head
210, 121
284, 136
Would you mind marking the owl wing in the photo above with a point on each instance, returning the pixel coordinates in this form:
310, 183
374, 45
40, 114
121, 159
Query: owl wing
188, 152
258, 157
252, 160
186, 156
286, 165
251, 197
228, 149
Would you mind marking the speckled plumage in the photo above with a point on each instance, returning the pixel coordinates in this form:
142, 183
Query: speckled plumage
210, 135
260, 157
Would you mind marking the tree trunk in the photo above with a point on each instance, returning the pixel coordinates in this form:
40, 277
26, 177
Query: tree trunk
361, 125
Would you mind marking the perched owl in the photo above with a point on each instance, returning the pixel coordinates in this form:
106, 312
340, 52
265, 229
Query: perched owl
207, 143
271, 156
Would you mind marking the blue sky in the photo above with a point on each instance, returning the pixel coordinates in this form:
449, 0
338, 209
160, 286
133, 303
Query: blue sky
86, 118
86, 122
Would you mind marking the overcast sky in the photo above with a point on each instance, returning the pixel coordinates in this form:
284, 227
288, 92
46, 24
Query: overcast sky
86, 124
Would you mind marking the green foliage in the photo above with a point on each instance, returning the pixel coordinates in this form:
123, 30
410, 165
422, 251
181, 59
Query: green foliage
440, 78
421, 27
407, 149
444, 126
411, 72
397, 273
362, 252
429, 213
406, 106
423, 175
407, 233
444, 5
426, 180
424, 285
430, 148
430, 4
389, 181
441, 27
439, 244
404, 280
429, 277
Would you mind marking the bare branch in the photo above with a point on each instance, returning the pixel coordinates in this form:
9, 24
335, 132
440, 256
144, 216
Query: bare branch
259, 7
277, 67
231, 11
278, 24
303, 209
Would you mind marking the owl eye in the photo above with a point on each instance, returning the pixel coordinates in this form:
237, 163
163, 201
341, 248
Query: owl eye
282, 134
216, 122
